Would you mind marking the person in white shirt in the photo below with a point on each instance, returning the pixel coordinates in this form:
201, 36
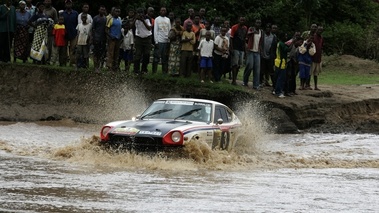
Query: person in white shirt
142, 39
162, 27
221, 54
85, 9
206, 47
84, 33
126, 48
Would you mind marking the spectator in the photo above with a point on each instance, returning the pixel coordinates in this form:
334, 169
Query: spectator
237, 47
203, 32
52, 13
84, 38
126, 48
60, 43
7, 29
206, 47
142, 40
171, 16
191, 14
202, 13
267, 57
316, 58
216, 26
70, 23
253, 58
99, 38
306, 51
293, 65
280, 65
85, 9
162, 27
21, 38
186, 56
113, 30
32, 10
305, 35
221, 54
175, 47
146, 57
41, 23
228, 65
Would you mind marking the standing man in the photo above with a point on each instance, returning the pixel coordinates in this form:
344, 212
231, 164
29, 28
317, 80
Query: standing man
237, 46
50, 12
99, 38
142, 40
113, 30
253, 58
146, 57
190, 19
318, 40
162, 27
202, 15
70, 22
7, 29
85, 9
268, 56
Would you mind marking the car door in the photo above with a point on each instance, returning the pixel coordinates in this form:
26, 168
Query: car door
222, 132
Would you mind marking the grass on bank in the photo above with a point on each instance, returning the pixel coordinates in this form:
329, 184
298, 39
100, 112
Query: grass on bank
337, 70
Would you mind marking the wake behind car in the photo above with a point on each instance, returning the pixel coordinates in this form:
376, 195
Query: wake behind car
173, 122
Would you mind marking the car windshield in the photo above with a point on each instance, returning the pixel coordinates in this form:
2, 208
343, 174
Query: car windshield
179, 110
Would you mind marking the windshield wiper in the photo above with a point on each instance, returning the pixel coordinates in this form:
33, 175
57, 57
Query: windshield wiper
188, 113
155, 113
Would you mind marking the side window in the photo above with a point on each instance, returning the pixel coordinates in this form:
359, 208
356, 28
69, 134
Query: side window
222, 112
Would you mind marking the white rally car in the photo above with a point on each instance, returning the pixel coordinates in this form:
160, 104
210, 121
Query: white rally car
173, 122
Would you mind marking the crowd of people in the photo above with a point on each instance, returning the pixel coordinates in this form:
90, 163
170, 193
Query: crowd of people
211, 48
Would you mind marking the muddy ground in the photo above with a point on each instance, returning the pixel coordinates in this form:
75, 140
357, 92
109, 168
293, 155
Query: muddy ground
32, 93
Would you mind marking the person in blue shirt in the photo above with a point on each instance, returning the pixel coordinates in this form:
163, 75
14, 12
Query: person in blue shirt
113, 30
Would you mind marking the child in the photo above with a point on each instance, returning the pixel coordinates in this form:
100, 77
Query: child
306, 51
84, 37
60, 44
206, 49
126, 48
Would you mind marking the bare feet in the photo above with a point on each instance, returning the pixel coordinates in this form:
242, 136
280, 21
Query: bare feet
316, 88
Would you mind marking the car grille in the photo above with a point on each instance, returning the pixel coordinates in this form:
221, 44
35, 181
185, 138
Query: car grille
132, 142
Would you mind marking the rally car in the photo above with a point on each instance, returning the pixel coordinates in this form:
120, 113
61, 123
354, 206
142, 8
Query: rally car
173, 122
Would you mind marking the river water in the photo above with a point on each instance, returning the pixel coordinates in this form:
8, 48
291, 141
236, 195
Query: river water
57, 167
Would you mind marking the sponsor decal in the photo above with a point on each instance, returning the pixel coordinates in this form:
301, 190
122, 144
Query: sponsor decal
180, 102
150, 133
209, 133
126, 130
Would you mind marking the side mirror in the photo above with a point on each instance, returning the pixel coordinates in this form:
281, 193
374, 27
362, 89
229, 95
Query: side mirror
220, 121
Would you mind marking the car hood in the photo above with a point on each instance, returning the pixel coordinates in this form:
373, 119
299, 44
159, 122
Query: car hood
157, 128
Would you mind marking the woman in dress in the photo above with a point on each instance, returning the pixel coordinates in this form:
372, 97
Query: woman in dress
21, 37
175, 48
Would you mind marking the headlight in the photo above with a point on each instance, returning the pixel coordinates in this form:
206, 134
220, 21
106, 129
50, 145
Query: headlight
176, 137
104, 132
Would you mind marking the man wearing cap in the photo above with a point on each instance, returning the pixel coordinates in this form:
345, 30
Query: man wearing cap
7, 29
70, 22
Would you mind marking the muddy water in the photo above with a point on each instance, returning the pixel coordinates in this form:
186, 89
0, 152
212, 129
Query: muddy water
57, 167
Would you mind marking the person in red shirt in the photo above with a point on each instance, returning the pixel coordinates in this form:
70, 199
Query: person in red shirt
60, 46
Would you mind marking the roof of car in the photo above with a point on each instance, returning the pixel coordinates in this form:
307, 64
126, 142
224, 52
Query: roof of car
191, 99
